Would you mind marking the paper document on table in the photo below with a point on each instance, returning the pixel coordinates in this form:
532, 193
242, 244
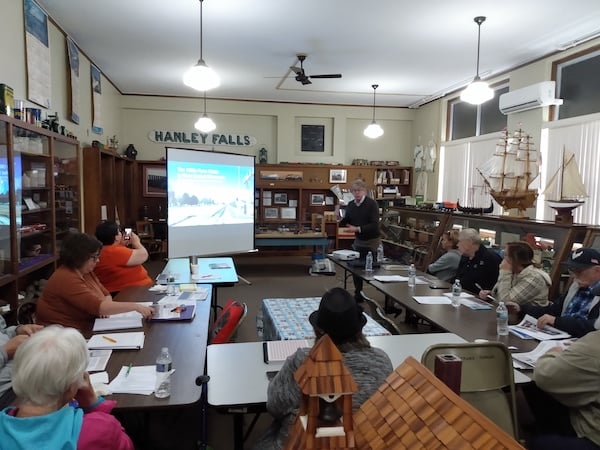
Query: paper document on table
390, 278
530, 358
432, 300
469, 301
116, 341
527, 329
132, 319
278, 351
98, 360
138, 380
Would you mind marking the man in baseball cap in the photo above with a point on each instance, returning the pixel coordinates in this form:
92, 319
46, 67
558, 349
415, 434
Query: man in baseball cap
576, 311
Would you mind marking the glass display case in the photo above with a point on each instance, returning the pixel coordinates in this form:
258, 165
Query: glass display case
33, 165
413, 235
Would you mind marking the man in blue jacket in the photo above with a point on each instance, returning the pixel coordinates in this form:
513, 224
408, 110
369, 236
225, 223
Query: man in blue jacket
576, 311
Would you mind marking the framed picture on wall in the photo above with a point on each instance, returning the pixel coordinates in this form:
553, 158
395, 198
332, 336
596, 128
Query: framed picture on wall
280, 198
337, 175
271, 213
317, 199
154, 177
312, 138
288, 213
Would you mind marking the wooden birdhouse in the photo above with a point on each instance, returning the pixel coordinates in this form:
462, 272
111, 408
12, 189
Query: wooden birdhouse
325, 419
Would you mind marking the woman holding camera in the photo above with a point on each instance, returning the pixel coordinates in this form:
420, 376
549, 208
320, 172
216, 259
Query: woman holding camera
121, 259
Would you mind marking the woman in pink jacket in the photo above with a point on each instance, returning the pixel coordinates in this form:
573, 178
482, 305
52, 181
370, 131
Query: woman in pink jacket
49, 372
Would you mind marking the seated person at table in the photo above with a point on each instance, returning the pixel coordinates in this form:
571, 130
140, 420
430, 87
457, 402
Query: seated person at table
445, 266
362, 219
73, 296
121, 259
565, 399
520, 280
10, 340
342, 319
50, 371
576, 311
478, 265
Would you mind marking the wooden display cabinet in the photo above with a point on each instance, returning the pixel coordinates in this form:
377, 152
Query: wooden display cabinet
413, 235
39, 170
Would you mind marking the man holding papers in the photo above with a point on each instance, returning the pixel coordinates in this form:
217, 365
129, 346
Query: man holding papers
567, 418
575, 312
73, 296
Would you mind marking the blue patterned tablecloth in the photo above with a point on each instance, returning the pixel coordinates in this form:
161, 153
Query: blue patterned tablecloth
287, 318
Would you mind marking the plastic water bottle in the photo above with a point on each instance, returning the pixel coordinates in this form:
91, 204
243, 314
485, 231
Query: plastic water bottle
502, 319
412, 276
380, 252
171, 287
163, 375
369, 262
456, 291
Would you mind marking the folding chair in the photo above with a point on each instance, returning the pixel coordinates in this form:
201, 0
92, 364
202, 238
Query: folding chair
487, 373
379, 316
227, 322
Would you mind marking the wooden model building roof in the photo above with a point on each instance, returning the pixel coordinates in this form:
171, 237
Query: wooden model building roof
414, 410
324, 371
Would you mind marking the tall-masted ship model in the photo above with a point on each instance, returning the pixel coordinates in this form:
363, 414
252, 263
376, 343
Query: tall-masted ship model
565, 190
511, 170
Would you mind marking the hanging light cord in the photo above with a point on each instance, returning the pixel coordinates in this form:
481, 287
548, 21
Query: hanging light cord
201, 31
374, 86
204, 102
478, 20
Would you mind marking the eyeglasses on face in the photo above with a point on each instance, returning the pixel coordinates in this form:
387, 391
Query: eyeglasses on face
95, 256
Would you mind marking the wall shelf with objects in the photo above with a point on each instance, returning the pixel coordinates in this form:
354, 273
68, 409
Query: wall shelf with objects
108, 188
289, 195
413, 235
39, 204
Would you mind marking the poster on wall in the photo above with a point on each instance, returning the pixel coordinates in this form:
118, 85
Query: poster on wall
37, 50
74, 78
96, 100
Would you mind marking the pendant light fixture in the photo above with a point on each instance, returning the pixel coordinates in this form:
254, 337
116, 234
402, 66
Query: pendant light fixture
373, 130
205, 124
201, 77
478, 91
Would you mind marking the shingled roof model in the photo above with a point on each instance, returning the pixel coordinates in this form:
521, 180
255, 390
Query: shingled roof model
415, 410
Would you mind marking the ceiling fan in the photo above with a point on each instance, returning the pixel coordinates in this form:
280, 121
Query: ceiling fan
301, 75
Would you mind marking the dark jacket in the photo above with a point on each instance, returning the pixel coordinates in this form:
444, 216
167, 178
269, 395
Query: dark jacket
483, 269
365, 216
575, 326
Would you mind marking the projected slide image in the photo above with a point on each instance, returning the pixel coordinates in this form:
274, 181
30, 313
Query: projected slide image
209, 194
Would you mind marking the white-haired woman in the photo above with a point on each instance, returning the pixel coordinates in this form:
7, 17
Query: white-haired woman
49, 372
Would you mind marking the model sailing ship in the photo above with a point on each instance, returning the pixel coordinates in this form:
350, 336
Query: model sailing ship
565, 190
510, 171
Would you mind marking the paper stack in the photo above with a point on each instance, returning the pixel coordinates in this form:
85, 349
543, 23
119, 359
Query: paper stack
116, 341
134, 380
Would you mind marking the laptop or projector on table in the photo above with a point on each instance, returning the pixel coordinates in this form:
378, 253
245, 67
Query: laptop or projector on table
346, 255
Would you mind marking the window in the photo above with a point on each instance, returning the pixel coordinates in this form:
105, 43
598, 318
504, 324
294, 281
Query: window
577, 81
468, 120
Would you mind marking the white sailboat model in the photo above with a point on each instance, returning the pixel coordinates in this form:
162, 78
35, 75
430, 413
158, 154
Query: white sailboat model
565, 190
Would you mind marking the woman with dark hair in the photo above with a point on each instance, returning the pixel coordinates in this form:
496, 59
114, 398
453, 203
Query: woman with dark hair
73, 296
121, 259
340, 317
520, 280
445, 266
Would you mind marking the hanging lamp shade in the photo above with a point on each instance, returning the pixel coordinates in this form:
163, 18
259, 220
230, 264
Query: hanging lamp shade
200, 76
373, 131
478, 91
205, 124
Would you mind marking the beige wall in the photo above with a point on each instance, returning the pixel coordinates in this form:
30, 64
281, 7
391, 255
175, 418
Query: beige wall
274, 125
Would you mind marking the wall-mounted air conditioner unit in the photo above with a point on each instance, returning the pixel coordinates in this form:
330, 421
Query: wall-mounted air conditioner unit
534, 96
